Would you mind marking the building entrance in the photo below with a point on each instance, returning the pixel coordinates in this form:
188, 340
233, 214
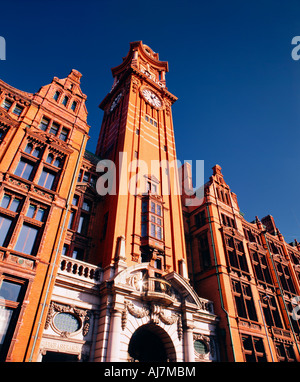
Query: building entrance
149, 343
59, 357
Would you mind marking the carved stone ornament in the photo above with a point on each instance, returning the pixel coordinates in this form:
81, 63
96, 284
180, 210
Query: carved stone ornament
210, 344
82, 315
135, 311
155, 312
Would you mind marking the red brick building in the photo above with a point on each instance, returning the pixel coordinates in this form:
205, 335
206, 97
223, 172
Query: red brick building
248, 271
93, 276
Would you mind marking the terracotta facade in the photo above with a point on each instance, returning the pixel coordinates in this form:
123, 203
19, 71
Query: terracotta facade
91, 276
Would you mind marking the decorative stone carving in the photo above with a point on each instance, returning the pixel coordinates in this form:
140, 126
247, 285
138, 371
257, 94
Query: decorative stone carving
137, 312
82, 314
179, 328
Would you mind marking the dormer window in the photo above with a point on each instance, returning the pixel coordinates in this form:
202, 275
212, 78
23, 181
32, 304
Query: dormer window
65, 101
74, 105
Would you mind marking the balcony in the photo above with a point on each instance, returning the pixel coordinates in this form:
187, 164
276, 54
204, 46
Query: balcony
158, 290
79, 270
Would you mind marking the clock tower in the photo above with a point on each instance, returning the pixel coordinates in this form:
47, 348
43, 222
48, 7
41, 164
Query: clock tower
142, 209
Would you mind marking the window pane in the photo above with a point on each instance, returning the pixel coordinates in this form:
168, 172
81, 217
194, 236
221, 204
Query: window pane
28, 148
78, 254
18, 110
54, 128
4, 228
75, 200
10, 290
24, 169
85, 177
57, 162
144, 230
144, 206
15, 205
6, 104
36, 152
44, 124
73, 107
83, 224
64, 250
158, 210
72, 214
64, 134
26, 239
158, 230
65, 100
56, 95
5, 201
86, 205
31, 211
46, 179
50, 158
40, 214
153, 207
153, 230
5, 318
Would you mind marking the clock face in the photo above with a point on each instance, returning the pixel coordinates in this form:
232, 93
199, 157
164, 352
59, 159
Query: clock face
115, 101
151, 98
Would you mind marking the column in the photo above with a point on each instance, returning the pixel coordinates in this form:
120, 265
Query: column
189, 355
115, 327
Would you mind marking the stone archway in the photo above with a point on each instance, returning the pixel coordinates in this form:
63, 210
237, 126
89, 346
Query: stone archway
151, 343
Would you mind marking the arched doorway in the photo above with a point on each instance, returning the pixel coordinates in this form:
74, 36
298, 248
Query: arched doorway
150, 343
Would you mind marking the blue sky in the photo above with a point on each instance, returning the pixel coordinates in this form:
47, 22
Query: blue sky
230, 67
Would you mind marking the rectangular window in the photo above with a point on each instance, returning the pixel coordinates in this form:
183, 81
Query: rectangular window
158, 232
25, 169
64, 251
86, 205
44, 124
71, 219
85, 178
144, 230
153, 230
54, 128
12, 291
153, 207
35, 212
236, 254
18, 110
26, 239
158, 210
75, 200
7, 104
78, 254
5, 224
47, 179
253, 349
83, 224
64, 134
244, 300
